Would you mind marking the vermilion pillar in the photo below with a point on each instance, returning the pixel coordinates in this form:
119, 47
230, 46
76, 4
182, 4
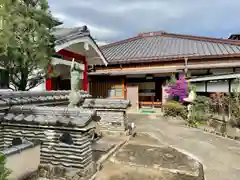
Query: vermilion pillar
85, 76
49, 80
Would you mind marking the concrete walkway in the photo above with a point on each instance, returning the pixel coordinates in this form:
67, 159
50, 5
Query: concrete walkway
219, 156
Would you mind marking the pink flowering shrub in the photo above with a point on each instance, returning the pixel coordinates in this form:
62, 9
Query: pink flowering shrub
178, 89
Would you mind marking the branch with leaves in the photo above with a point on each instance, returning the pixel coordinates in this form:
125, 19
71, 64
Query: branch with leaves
26, 41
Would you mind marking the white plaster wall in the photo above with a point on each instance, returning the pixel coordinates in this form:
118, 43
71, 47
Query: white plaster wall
200, 87
221, 86
23, 163
40, 87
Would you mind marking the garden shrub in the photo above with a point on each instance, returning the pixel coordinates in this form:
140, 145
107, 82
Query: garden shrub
201, 109
234, 103
174, 109
4, 172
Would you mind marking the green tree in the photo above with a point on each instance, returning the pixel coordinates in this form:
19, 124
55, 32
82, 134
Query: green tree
4, 172
26, 41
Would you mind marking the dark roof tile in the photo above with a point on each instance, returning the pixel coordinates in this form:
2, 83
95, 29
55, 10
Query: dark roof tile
27, 97
61, 116
161, 46
106, 103
63, 35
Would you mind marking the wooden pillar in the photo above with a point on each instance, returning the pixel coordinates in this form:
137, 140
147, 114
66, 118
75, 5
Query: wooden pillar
186, 72
206, 86
85, 75
49, 80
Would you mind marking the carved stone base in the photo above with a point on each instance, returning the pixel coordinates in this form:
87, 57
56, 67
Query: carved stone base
74, 99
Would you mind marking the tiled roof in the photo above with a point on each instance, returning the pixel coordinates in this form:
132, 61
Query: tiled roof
162, 46
10, 98
63, 35
106, 103
58, 116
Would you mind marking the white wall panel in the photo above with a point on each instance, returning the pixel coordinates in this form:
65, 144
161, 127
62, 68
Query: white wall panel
40, 87
218, 86
200, 87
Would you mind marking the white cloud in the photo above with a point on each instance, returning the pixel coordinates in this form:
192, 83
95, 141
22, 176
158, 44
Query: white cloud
98, 32
102, 33
111, 20
60, 16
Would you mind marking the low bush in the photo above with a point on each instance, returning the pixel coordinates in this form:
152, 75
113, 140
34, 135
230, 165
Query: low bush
201, 109
4, 172
174, 109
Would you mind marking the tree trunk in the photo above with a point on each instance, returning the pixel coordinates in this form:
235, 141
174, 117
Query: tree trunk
23, 80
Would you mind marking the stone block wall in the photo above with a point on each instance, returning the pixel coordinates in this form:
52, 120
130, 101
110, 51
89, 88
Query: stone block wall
111, 113
1, 138
62, 131
53, 151
112, 119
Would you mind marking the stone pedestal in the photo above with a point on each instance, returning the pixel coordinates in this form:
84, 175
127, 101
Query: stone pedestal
111, 113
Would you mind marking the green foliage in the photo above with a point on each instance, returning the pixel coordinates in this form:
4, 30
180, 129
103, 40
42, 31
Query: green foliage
4, 172
172, 80
26, 41
233, 102
174, 109
192, 87
235, 109
200, 111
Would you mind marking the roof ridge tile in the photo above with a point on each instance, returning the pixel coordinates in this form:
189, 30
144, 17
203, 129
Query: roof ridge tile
203, 38
120, 42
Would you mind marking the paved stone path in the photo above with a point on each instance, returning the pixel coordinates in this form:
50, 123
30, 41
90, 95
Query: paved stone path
219, 156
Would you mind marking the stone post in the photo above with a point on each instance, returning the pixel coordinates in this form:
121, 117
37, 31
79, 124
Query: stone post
76, 78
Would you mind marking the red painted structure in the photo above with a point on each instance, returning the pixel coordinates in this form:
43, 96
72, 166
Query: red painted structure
68, 56
49, 80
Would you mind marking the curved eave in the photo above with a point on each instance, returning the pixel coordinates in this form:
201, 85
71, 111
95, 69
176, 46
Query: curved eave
64, 43
95, 46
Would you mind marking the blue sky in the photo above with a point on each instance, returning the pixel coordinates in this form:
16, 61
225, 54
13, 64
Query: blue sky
112, 20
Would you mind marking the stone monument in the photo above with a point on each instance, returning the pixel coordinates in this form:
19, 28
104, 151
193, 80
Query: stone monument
190, 99
76, 77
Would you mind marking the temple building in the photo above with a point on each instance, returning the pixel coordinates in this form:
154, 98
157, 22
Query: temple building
139, 67
72, 43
